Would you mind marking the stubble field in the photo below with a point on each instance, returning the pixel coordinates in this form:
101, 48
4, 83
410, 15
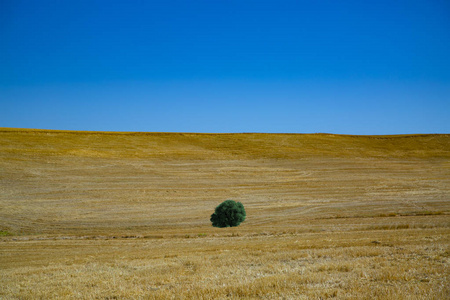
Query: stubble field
97, 215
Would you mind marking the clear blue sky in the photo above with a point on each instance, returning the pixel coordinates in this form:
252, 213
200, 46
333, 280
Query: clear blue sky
351, 67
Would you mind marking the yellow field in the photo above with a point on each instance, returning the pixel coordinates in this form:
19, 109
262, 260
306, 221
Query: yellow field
106, 215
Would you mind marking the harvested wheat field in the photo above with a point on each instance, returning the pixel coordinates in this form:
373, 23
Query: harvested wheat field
105, 215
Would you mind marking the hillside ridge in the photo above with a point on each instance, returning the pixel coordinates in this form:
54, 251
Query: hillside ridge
33, 130
167, 145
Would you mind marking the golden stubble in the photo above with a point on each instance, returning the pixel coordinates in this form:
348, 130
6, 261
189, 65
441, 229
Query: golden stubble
88, 215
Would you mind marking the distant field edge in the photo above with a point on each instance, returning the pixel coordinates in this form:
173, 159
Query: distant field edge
56, 131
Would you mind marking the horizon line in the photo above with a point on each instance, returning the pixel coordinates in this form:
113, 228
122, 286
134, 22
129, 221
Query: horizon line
18, 129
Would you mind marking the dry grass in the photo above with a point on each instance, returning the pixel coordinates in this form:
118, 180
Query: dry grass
88, 215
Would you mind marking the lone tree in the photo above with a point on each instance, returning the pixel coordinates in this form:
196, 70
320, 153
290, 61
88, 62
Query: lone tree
228, 214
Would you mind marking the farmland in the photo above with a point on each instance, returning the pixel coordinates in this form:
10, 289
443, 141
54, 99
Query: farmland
113, 215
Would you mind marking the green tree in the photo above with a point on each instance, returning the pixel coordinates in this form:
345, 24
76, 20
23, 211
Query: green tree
228, 214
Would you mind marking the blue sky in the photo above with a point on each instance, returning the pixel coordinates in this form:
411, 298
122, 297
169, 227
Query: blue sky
350, 67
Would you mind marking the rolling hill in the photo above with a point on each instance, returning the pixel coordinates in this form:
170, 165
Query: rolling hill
144, 200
